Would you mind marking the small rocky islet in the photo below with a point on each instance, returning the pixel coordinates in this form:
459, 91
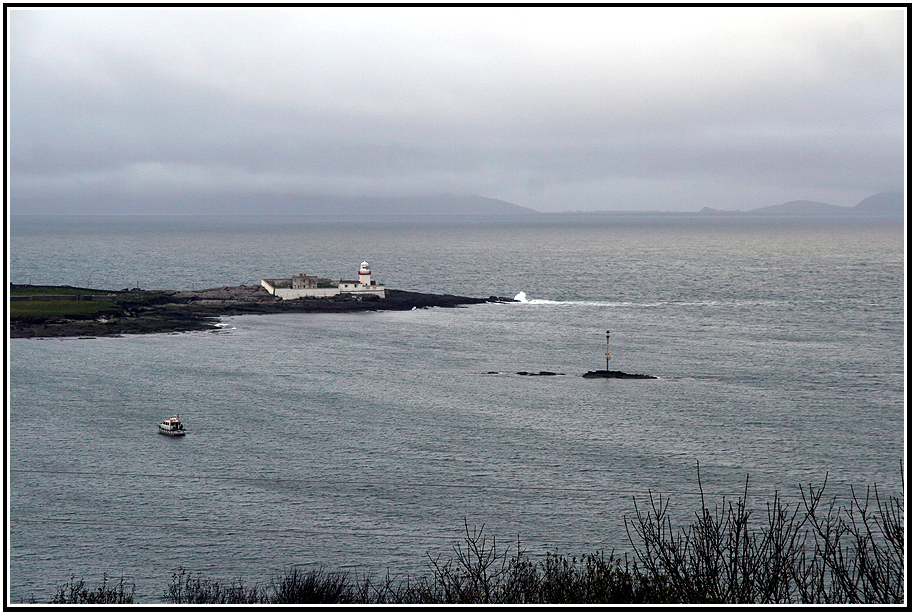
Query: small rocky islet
601, 373
604, 373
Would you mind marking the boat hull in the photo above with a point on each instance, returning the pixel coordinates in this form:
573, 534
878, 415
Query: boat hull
171, 432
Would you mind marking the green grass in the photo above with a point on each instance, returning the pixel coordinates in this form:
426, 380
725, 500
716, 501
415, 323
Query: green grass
72, 308
61, 308
32, 291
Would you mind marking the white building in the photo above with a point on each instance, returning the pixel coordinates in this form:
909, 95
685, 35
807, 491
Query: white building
302, 285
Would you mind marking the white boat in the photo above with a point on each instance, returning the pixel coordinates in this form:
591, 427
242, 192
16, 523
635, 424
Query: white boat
172, 427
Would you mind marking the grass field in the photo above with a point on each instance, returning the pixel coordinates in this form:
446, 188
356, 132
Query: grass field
32, 291
61, 308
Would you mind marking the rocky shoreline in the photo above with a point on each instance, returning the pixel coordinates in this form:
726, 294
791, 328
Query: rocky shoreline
181, 311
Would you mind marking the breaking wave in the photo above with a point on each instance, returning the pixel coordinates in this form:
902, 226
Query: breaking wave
522, 298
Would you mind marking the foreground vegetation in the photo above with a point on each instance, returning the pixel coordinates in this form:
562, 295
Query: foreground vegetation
814, 552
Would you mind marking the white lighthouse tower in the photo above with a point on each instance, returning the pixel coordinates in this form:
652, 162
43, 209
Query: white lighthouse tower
365, 275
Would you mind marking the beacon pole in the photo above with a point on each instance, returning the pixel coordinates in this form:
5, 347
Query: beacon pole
608, 351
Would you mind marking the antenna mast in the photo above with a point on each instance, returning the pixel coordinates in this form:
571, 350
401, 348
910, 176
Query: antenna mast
608, 351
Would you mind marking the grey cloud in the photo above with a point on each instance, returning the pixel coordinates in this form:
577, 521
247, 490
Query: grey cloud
540, 108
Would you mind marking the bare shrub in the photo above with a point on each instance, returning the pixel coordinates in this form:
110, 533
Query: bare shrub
76, 592
312, 587
802, 554
858, 552
185, 589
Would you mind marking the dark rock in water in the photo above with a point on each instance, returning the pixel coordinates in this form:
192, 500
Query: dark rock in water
538, 374
602, 373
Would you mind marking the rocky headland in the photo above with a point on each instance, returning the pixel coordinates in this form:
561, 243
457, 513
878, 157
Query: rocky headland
135, 311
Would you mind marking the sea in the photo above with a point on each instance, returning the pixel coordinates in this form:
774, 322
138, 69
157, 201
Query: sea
373, 442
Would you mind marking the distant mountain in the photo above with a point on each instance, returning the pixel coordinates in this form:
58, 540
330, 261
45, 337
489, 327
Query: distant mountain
472, 204
800, 208
273, 203
882, 204
711, 211
885, 203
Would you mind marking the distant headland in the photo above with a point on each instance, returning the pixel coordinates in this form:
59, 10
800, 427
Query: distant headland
66, 311
885, 206
474, 208
882, 204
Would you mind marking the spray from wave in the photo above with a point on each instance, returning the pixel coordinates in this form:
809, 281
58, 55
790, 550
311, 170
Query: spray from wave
522, 298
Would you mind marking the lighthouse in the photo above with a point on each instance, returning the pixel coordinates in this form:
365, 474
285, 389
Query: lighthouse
299, 286
365, 275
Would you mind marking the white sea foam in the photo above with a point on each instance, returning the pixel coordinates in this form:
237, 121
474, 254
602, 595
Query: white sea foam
522, 298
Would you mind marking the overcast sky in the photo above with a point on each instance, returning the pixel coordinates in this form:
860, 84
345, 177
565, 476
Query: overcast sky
598, 108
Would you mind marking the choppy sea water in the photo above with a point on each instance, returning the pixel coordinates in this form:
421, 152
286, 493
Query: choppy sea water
367, 440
